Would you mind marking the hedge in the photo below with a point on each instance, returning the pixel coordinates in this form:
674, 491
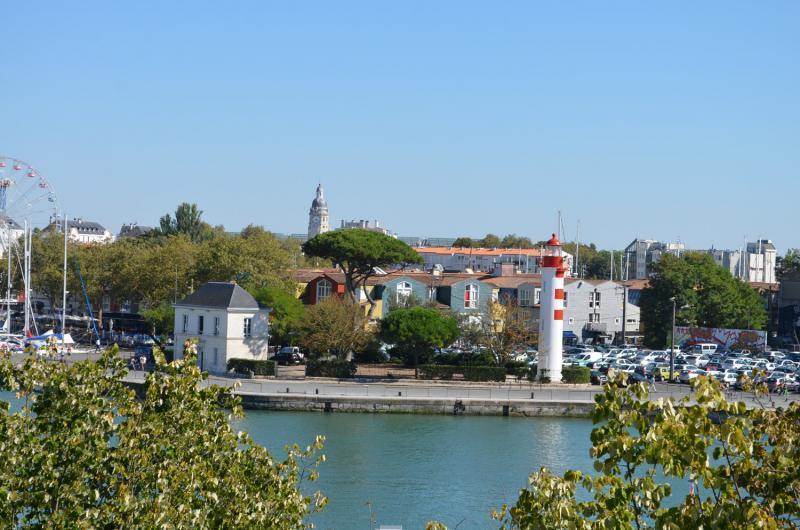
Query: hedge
245, 366
576, 375
470, 373
337, 368
517, 368
436, 371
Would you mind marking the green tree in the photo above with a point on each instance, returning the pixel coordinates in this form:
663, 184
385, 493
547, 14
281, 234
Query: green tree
287, 312
714, 298
507, 327
515, 241
490, 241
85, 452
334, 326
464, 242
788, 264
358, 253
188, 220
741, 464
161, 318
416, 331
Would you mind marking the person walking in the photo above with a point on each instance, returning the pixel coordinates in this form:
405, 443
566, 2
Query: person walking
652, 382
97, 346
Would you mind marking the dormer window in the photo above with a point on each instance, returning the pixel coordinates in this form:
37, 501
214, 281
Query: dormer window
403, 292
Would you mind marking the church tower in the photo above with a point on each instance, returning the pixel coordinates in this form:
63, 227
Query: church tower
318, 215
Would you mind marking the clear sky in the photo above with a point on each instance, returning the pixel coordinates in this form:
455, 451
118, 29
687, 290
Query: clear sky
657, 120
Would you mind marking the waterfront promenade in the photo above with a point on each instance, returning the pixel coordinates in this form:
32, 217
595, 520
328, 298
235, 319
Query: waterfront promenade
434, 397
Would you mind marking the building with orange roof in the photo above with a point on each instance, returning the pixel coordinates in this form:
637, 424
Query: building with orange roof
459, 259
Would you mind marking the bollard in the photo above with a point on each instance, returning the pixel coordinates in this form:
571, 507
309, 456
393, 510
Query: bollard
316, 390
531, 395
399, 393
287, 389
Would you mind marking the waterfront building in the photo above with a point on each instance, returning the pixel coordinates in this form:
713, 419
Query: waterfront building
227, 322
133, 230
10, 232
318, 216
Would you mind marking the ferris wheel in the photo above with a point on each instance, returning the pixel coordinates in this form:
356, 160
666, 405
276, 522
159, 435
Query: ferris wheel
26, 196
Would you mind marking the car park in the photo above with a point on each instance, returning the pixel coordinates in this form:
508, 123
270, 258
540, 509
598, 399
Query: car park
727, 378
288, 357
689, 372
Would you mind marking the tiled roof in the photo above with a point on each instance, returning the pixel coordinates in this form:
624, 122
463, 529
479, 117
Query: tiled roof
221, 295
447, 251
765, 286
513, 282
637, 284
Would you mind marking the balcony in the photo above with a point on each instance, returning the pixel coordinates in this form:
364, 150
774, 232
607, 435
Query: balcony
596, 327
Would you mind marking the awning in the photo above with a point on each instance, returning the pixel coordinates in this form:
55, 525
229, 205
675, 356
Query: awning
570, 335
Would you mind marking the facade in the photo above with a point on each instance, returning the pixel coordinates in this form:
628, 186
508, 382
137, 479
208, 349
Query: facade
133, 230
789, 310
756, 263
10, 231
593, 311
525, 261
363, 224
398, 290
318, 217
82, 231
227, 322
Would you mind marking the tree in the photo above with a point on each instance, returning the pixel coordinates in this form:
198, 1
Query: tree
490, 241
714, 298
508, 327
788, 264
739, 464
416, 331
358, 253
287, 312
333, 326
84, 451
161, 318
515, 241
187, 220
464, 242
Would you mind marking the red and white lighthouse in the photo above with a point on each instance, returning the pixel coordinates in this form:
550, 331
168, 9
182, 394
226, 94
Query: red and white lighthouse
551, 312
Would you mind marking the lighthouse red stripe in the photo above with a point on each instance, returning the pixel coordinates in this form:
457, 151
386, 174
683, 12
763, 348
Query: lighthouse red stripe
560, 273
558, 314
559, 294
552, 261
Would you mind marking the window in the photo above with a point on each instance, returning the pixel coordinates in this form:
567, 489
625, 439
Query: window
323, 290
216, 355
471, 296
247, 326
216, 325
524, 297
594, 317
616, 321
594, 299
537, 297
185, 323
200, 324
565, 299
403, 292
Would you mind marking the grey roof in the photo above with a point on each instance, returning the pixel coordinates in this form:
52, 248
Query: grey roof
7, 221
82, 227
134, 230
221, 295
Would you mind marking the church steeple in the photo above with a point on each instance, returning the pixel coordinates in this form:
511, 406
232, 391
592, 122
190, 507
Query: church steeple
318, 214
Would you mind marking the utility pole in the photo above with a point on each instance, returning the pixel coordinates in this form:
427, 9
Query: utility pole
672, 349
624, 312
611, 274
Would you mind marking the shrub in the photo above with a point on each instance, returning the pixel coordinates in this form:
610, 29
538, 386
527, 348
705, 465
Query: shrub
436, 371
517, 368
576, 375
338, 368
483, 373
245, 366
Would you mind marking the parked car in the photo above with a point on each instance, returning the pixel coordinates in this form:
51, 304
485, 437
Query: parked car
689, 372
288, 357
727, 378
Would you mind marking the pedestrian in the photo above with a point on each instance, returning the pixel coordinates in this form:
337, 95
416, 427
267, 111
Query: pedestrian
143, 361
653, 382
97, 346
786, 392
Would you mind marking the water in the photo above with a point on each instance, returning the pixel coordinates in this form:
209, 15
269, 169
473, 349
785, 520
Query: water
455, 469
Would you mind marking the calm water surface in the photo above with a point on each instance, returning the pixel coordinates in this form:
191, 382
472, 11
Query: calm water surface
418, 468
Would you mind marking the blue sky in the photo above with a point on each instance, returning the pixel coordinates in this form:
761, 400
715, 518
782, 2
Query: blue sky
660, 120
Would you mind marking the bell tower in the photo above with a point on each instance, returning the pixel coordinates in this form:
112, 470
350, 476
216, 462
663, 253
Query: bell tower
318, 215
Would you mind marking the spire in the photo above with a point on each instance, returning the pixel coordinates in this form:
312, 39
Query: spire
319, 200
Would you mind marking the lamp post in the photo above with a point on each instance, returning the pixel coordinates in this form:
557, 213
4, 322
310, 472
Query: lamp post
672, 349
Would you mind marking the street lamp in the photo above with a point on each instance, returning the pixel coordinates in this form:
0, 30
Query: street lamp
672, 349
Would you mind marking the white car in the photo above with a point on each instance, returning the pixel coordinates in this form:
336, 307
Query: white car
689, 372
727, 378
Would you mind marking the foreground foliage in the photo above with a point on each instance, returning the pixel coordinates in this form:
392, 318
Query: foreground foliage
741, 468
84, 452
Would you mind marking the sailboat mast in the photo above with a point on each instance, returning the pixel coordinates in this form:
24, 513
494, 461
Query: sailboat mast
64, 294
26, 280
8, 283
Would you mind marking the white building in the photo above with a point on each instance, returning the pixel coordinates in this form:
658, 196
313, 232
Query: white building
10, 233
363, 224
227, 322
318, 217
83, 231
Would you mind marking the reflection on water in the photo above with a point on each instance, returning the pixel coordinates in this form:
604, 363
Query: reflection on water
418, 468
